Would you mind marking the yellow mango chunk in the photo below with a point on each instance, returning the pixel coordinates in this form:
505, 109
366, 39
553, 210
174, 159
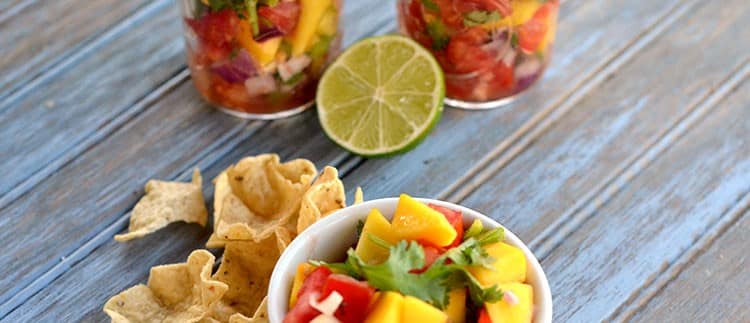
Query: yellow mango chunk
414, 220
375, 224
521, 312
416, 310
456, 309
328, 23
523, 11
263, 52
549, 37
311, 12
303, 270
509, 265
387, 308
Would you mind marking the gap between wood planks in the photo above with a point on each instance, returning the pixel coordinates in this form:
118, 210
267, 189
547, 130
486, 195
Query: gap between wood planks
13, 10
139, 107
654, 286
219, 149
77, 53
585, 207
213, 154
538, 124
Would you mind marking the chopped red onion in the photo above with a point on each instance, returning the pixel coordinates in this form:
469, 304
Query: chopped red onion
236, 69
267, 32
260, 85
293, 66
510, 298
527, 72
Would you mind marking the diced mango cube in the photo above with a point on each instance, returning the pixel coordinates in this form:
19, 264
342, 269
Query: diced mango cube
376, 225
387, 308
414, 220
416, 310
456, 309
311, 12
329, 22
263, 52
520, 312
509, 265
303, 270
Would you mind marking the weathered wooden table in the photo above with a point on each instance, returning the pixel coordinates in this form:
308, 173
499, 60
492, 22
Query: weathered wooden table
627, 168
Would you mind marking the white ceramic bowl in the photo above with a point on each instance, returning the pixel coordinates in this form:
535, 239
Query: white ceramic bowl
331, 237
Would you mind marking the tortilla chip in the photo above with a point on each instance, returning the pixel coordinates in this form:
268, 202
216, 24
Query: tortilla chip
359, 197
175, 293
257, 195
260, 316
164, 203
324, 197
246, 269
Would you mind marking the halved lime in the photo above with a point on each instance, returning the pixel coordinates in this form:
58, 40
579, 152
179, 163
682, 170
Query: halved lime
382, 96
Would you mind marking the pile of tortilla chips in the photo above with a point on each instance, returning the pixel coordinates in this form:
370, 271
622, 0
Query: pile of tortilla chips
260, 205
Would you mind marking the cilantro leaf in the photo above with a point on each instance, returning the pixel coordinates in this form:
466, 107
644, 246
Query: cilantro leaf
475, 229
431, 5
438, 33
480, 17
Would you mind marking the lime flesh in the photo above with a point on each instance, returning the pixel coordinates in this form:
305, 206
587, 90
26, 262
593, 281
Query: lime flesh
381, 96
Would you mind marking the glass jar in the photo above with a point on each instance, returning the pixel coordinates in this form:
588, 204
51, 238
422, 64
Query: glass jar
260, 59
490, 50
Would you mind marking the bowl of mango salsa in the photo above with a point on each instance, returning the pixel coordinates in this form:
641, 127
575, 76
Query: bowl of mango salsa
405, 259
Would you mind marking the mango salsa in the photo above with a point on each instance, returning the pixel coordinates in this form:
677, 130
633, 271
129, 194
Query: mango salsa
456, 309
521, 312
510, 265
303, 270
416, 310
375, 224
387, 308
311, 12
414, 220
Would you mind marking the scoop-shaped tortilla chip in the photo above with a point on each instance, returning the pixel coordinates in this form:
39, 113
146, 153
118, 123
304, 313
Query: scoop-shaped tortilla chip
246, 268
257, 195
164, 203
260, 316
175, 293
324, 197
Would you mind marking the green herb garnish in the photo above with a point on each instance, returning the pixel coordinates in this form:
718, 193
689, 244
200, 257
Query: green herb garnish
439, 34
480, 17
431, 5
432, 286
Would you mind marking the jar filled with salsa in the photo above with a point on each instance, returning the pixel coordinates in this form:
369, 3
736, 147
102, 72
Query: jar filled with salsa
490, 50
260, 59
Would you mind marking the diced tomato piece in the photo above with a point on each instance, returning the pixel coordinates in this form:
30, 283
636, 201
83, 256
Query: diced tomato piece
357, 296
465, 53
312, 288
484, 317
283, 15
431, 253
456, 219
449, 13
532, 32
216, 31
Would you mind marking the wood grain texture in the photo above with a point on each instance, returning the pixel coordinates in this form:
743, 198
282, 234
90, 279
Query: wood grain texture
115, 266
299, 135
535, 193
630, 239
68, 115
462, 138
714, 288
42, 34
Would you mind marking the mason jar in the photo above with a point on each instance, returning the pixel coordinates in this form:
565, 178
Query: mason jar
260, 59
490, 50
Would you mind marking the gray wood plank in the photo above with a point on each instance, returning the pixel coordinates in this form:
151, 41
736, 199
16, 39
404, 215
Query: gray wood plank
8, 8
115, 266
592, 35
714, 288
66, 116
100, 198
537, 191
628, 240
39, 35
